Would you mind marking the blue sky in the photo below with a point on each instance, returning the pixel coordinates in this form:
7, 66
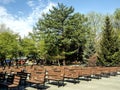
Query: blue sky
86, 6
21, 15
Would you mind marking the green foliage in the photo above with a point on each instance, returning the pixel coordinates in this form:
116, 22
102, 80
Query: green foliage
89, 48
116, 21
62, 35
117, 13
28, 47
109, 46
42, 49
8, 43
64, 32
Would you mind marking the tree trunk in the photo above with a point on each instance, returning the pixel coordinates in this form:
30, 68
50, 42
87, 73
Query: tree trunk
64, 62
58, 62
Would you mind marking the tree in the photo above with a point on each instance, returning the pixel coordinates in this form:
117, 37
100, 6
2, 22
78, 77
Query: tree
8, 44
29, 47
117, 14
109, 45
79, 26
64, 32
95, 21
89, 47
116, 21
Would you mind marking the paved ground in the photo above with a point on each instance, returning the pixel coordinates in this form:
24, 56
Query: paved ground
112, 83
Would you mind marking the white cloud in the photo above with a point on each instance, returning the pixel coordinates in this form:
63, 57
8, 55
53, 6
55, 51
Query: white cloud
50, 5
18, 25
37, 12
6, 1
31, 3
3, 11
23, 25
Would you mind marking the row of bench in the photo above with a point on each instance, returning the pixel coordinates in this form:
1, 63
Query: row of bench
42, 74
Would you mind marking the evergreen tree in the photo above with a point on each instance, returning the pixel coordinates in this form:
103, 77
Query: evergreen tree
109, 46
89, 48
64, 32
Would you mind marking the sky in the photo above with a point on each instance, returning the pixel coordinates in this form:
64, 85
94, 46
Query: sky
21, 15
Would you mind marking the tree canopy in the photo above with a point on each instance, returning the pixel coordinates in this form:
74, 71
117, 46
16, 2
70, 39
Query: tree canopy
64, 32
62, 36
109, 45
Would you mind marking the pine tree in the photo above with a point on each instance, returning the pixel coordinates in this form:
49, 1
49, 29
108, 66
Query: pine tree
89, 48
109, 54
64, 32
